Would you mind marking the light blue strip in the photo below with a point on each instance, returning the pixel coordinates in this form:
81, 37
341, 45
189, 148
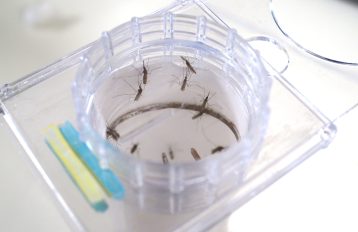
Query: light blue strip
106, 177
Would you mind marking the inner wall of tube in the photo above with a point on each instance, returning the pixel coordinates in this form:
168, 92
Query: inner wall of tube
165, 121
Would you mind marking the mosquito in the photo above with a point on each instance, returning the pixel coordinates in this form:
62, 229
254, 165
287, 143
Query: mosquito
187, 63
145, 74
134, 148
111, 132
185, 81
203, 105
171, 153
217, 149
139, 91
165, 158
195, 153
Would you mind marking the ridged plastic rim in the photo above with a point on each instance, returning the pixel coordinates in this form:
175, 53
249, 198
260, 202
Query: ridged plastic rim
229, 44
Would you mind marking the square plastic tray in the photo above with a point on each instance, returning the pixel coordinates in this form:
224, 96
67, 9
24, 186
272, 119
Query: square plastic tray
296, 128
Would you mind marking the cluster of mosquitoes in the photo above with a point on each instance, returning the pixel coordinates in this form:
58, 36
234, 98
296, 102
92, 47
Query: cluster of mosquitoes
190, 70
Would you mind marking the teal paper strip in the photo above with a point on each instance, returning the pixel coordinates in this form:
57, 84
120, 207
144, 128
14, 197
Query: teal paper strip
106, 177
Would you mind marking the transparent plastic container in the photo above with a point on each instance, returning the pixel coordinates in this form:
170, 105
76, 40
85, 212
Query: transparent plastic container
185, 195
170, 86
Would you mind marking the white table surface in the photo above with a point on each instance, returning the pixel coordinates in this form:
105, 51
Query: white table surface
319, 195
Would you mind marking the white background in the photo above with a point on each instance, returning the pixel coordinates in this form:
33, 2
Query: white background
319, 195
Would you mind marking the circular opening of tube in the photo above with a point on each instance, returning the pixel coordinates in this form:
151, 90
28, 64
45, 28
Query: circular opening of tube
173, 112
324, 28
176, 105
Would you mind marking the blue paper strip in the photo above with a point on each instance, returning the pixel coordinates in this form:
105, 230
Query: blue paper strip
106, 177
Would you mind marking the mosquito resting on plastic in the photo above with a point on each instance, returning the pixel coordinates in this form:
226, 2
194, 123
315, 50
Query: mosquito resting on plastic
165, 158
111, 132
195, 153
188, 64
134, 148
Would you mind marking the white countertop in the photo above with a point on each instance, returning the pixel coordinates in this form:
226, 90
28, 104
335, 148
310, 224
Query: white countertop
319, 195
